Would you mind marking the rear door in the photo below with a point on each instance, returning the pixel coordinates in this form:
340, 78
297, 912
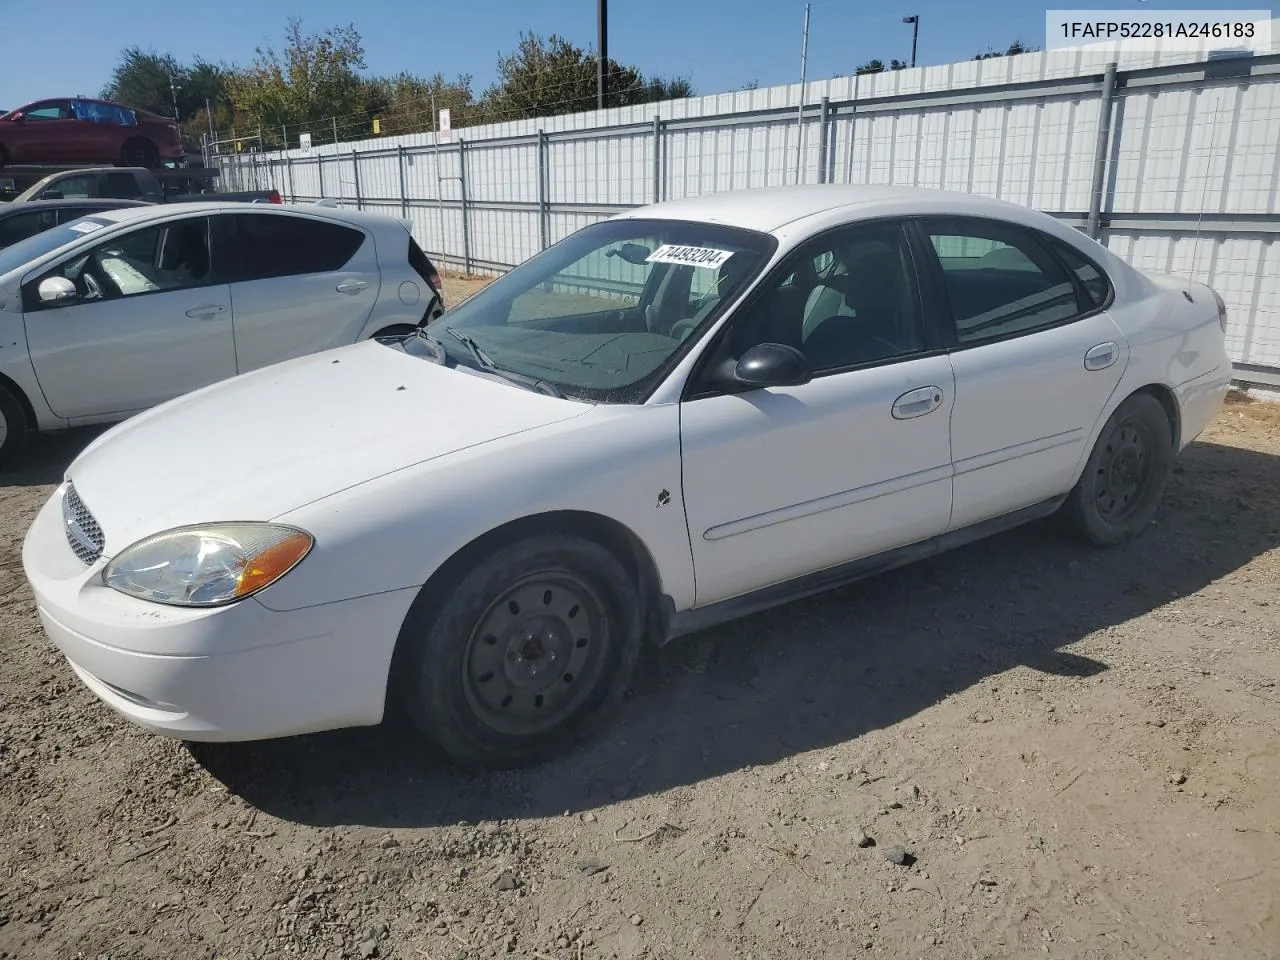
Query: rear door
300, 285
25, 224
151, 321
1035, 355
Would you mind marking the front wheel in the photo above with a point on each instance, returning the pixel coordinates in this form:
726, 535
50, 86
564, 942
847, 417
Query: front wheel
1120, 488
13, 426
528, 653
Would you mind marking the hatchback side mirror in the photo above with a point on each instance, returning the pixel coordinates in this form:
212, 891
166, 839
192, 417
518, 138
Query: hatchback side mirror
56, 290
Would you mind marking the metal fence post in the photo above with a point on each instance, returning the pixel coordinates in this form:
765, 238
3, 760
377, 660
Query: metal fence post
320, 174
657, 157
466, 227
404, 193
824, 135
288, 169
543, 211
355, 175
1101, 150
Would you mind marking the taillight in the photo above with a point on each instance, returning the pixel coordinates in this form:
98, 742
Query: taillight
1222, 310
274, 197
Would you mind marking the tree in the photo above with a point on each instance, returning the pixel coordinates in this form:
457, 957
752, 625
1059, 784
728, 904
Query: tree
153, 81
551, 76
871, 66
1013, 50
403, 103
313, 79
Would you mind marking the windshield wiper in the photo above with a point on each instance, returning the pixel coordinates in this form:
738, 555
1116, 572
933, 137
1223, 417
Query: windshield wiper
469, 342
519, 379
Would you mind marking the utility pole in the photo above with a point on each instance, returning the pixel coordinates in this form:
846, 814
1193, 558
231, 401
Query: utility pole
602, 43
914, 20
208, 113
804, 64
173, 92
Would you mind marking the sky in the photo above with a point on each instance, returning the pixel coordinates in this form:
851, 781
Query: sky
718, 44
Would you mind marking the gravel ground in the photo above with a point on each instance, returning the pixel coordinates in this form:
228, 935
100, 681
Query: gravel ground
1021, 748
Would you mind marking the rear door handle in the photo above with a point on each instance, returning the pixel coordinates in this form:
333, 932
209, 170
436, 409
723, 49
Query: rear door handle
917, 402
206, 312
352, 286
1101, 356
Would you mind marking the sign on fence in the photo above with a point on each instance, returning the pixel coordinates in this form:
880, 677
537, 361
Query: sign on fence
446, 126
304, 141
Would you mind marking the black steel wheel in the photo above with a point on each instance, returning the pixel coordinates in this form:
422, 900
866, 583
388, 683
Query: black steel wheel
523, 653
536, 653
1122, 482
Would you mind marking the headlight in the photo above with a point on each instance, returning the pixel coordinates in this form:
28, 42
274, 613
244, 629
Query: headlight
209, 564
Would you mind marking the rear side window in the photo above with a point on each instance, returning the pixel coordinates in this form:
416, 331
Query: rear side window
1000, 279
72, 188
1092, 280
286, 246
23, 225
122, 186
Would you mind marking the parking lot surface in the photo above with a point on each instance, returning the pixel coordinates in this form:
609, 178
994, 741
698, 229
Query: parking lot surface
1022, 748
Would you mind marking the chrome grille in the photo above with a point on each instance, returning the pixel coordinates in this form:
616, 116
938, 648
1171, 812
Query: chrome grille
84, 536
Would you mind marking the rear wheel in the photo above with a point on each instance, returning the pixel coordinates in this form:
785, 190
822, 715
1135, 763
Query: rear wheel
4, 155
13, 426
395, 332
139, 152
1124, 477
528, 653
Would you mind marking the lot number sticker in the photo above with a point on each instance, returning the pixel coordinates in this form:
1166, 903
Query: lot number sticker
706, 257
88, 226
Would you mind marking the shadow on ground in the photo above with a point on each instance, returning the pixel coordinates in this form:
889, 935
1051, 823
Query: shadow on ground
46, 456
808, 675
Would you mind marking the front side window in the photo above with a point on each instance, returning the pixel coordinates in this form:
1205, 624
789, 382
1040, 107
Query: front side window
844, 299
49, 110
602, 314
1001, 280
167, 256
279, 245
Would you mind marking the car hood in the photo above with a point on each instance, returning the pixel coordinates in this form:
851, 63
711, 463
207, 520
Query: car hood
264, 443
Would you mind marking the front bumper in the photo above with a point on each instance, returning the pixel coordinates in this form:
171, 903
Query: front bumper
239, 672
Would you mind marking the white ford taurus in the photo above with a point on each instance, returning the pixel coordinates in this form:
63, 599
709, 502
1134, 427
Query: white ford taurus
677, 416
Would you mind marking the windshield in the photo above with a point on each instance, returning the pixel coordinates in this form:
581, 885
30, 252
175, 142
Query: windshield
38, 245
604, 314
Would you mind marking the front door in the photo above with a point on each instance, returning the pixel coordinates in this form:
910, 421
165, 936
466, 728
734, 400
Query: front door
781, 482
1035, 359
148, 324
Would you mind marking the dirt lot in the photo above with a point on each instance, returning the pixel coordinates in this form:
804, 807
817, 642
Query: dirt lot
1077, 750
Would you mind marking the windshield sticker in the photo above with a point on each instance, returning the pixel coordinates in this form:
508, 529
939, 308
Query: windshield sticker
86, 226
706, 257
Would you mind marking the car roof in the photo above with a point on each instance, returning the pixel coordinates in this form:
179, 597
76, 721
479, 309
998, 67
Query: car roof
164, 210
768, 209
108, 203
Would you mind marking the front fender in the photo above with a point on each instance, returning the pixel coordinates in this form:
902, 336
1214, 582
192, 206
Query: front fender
620, 462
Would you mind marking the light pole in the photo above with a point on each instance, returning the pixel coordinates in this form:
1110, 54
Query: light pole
914, 20
603, 43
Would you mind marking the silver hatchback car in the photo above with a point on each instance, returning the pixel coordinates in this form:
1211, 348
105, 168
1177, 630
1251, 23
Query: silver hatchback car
122, 310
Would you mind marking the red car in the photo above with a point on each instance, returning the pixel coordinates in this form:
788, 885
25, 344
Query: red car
76, 130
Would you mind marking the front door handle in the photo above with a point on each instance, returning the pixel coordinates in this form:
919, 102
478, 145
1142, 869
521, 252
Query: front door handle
206, 312
1101, 356
352, 286
917, 402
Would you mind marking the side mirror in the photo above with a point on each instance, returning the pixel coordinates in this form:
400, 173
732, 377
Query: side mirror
772, 365
56, 290
17, 116
51, 195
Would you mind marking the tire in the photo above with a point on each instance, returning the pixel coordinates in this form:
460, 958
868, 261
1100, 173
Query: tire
526, 656
1124, 477
395, 330
14, 429
139, 152
4, 156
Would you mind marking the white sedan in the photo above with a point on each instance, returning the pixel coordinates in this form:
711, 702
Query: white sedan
124, 309
675, 417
